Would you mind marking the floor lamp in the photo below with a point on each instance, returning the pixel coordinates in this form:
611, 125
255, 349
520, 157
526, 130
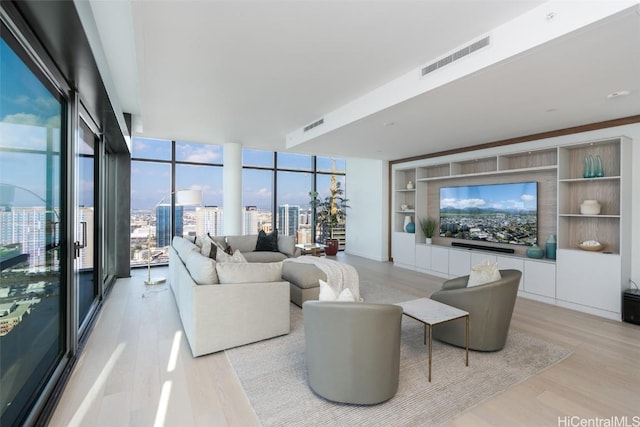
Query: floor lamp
183, 198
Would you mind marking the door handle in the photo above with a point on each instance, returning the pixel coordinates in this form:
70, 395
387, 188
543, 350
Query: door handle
77, 245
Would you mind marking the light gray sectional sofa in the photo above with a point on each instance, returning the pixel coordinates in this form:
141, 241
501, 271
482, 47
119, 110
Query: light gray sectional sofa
224, 305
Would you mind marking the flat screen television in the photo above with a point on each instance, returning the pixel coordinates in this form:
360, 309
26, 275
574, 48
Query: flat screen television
498, 213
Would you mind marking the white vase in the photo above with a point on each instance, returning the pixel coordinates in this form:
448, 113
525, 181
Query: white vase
407, 220
410, 185
428, 241
590, 207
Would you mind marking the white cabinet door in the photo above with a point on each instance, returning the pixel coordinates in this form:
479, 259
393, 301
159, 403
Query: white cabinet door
512, 263
440, 259
404, 249
540, 278
589, 278
459, 262
423, 257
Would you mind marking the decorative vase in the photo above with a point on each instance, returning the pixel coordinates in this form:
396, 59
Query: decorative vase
331, 247
551, 246
590, 207
599, 170
407, 221
589, 168
428, 240
409, 185
535, 251
411, 227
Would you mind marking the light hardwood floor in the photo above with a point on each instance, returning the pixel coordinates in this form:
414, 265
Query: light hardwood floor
137, 369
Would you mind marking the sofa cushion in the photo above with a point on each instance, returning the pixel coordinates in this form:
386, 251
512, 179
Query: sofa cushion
287, 245
255, 272
183, 247
243, 243
267, 242
302, 275
202, 269
264, 256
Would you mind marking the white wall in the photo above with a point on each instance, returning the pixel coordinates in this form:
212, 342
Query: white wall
367, 220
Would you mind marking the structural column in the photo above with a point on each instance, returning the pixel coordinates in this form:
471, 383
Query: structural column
232, 188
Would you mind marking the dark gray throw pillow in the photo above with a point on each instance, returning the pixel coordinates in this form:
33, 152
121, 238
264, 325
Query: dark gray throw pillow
267, 242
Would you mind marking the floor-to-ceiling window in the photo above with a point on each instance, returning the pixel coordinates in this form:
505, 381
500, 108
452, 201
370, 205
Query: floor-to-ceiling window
275, 191
159, 169
33, 298
198, 167
294, 176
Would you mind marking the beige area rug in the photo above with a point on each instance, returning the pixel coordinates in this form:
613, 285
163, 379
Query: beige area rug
274, 377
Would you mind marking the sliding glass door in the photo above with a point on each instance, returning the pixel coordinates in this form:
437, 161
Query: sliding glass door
87, 219
33, 298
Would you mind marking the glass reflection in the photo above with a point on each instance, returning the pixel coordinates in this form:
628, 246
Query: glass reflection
32, 301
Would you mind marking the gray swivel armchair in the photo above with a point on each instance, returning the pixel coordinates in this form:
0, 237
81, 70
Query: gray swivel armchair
352, 350
490, 307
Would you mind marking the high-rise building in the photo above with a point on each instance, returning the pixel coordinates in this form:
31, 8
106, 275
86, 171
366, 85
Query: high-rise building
209, 219
288, 218
250, 220
27, 226
163, 224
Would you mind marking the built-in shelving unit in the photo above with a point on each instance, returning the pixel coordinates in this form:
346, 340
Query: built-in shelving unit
587, 281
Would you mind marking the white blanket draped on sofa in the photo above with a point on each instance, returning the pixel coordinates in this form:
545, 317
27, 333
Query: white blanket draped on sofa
339, 275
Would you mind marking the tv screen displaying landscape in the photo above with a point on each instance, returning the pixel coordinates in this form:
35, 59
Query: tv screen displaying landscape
498, 213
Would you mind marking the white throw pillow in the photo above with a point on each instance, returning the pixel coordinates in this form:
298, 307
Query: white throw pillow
237, 256
346, 295
326, 292
482, 273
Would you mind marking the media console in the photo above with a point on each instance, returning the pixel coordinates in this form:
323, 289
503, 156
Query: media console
482, 247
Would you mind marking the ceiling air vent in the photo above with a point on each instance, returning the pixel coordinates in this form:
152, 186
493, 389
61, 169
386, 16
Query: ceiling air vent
314, 124
456, 55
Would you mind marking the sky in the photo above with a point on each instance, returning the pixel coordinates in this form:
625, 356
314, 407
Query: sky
498, 196
27, 111
151, 180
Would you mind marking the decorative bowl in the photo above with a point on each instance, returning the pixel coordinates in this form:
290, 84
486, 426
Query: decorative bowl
591, 245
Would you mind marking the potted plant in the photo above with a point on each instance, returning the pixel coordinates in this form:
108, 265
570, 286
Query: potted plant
428, 226
331, 212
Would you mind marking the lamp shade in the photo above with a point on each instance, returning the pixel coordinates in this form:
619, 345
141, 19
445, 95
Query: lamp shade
189, 197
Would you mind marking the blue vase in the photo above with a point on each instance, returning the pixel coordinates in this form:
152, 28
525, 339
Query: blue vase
589, 167
599, 170
551, 246
411, 227
535, 252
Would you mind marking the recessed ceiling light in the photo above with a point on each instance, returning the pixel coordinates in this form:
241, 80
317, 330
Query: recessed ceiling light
618, 93
388, 124
551, 110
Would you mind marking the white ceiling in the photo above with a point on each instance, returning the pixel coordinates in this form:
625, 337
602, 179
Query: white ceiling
253, 72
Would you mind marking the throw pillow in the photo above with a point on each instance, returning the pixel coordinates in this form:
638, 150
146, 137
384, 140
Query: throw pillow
267, 242
326, 292
482, 273
209, 248
236, 257
253, 272
346, 296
